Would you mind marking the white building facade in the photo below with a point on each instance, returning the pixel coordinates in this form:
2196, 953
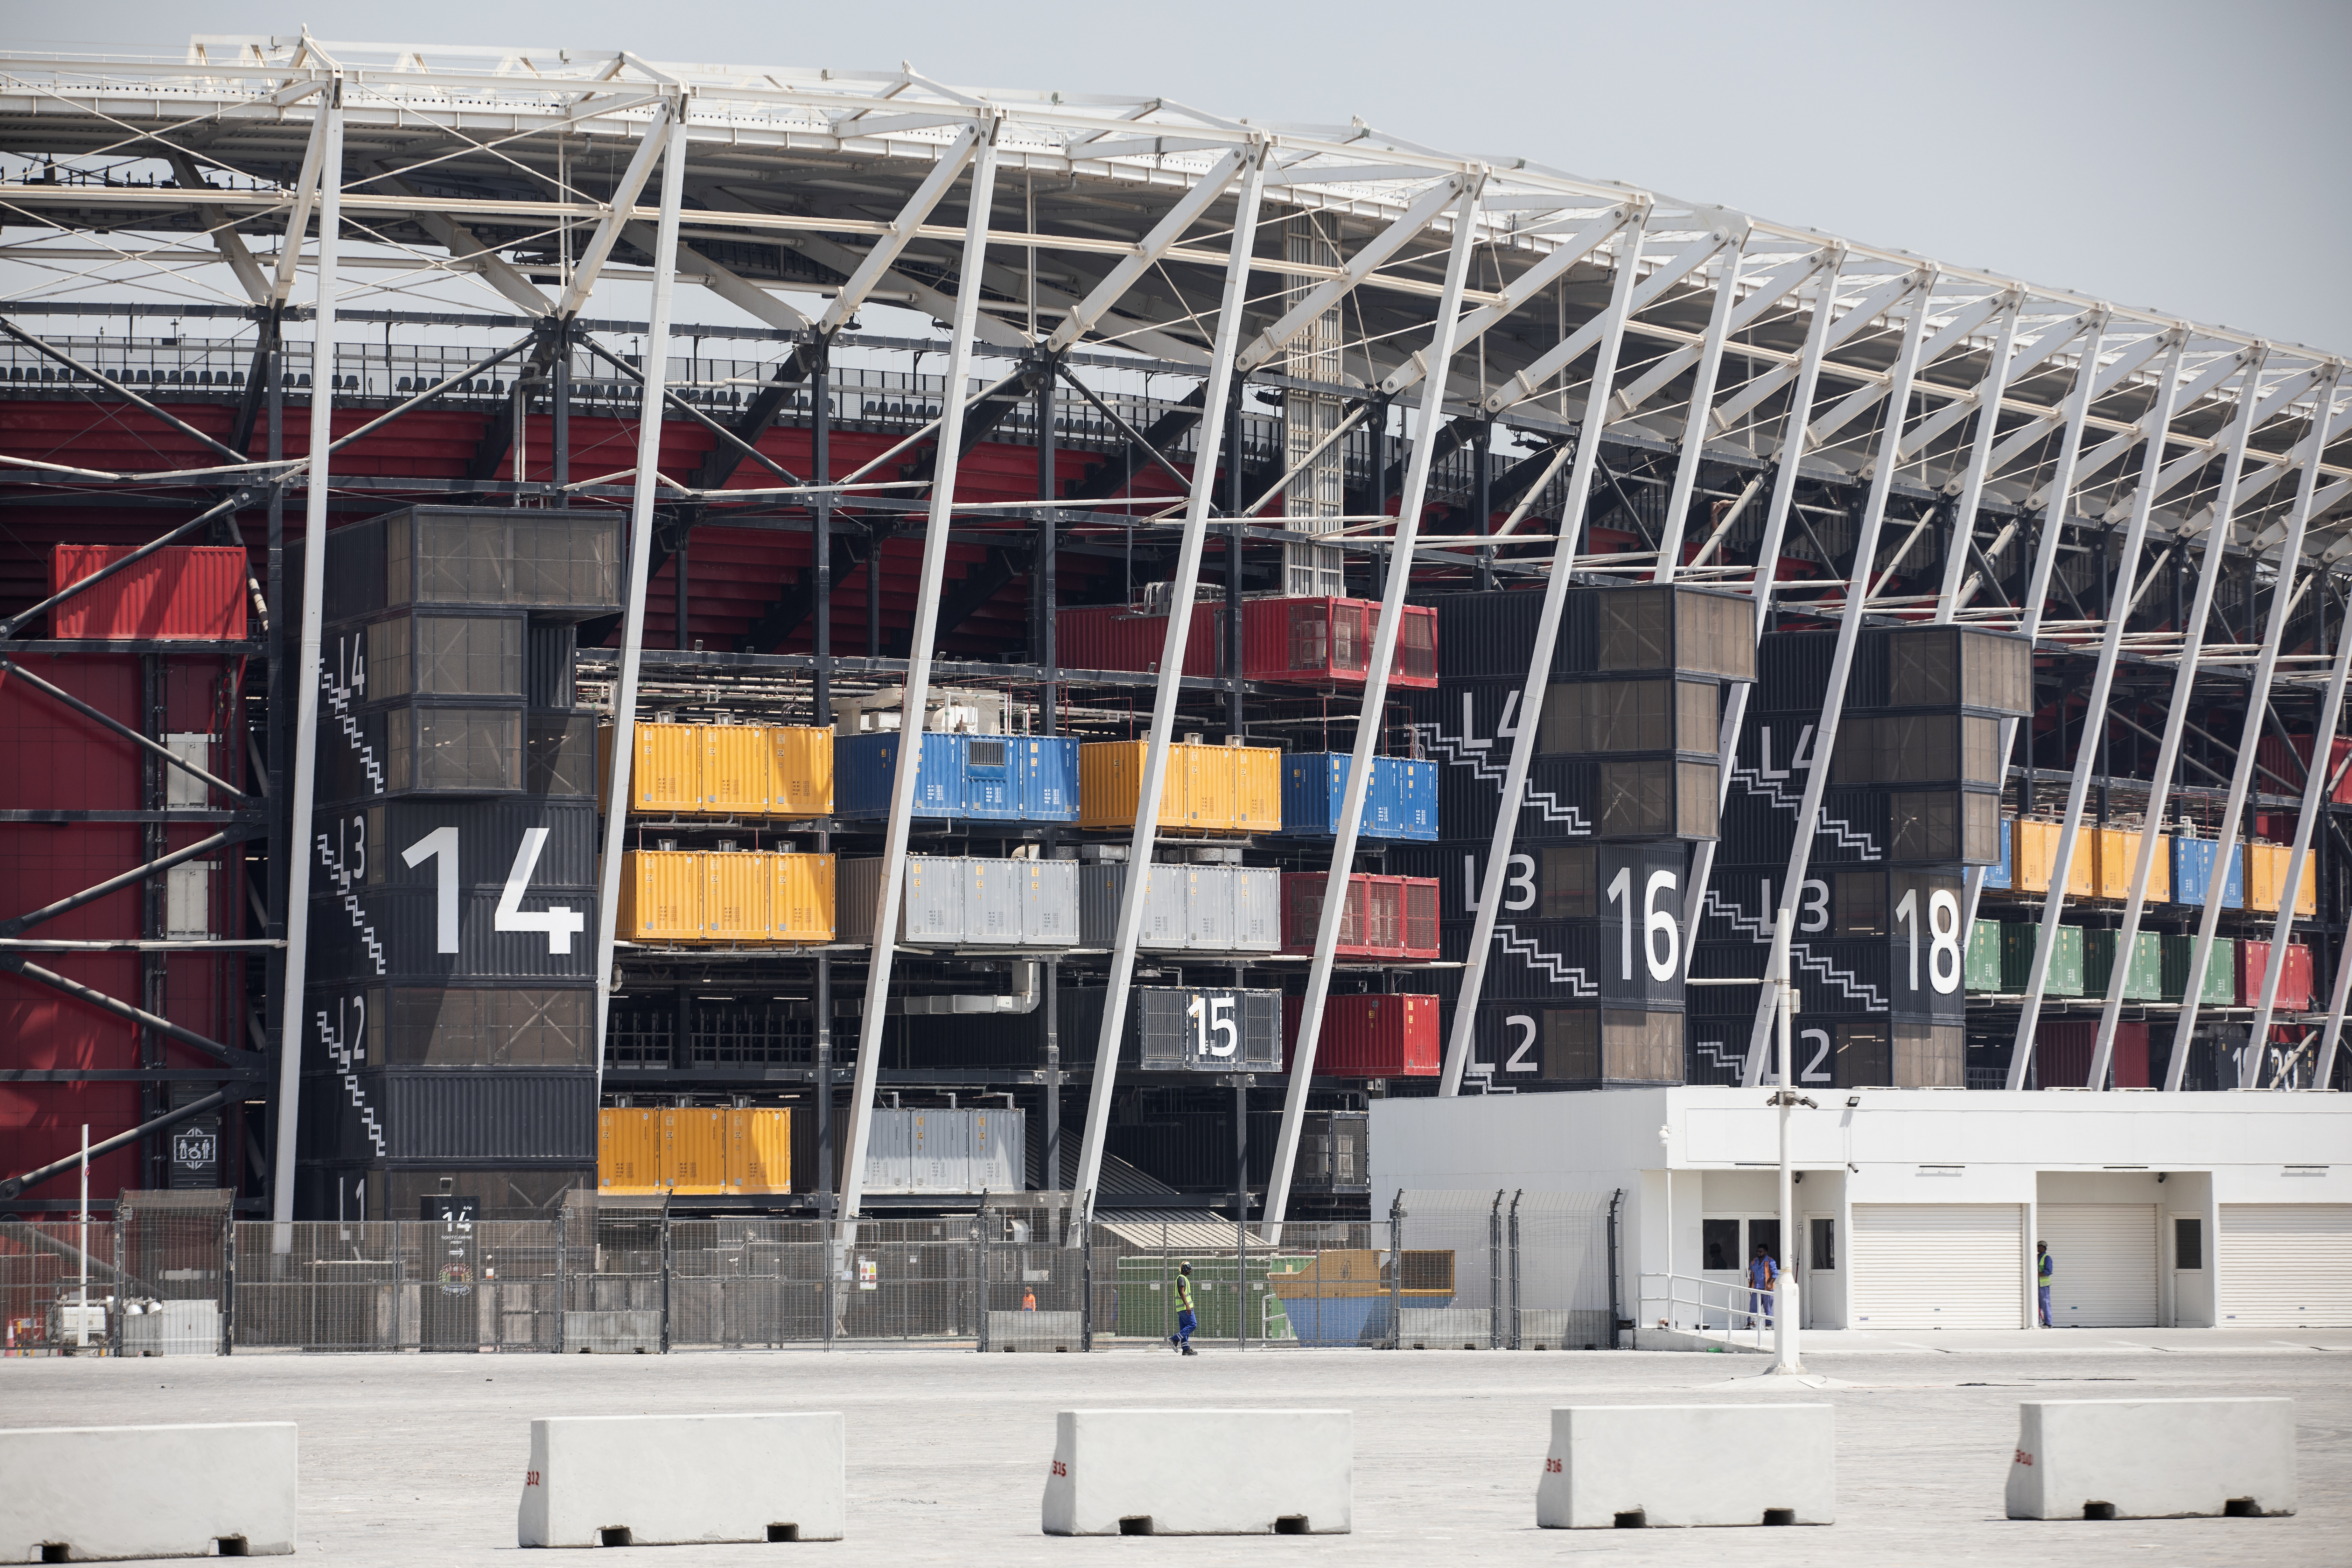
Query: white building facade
1919, 1209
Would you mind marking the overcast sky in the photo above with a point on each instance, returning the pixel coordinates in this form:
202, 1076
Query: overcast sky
2185, 157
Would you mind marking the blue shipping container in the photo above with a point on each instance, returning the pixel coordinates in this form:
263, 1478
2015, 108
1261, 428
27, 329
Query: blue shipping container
993, 778
1998, 875
1399, 803
2192, 873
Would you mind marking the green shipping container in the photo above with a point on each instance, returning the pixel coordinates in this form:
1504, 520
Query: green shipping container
1147, 1296
2221, 971
2143, 977
2066, 963
1983, 969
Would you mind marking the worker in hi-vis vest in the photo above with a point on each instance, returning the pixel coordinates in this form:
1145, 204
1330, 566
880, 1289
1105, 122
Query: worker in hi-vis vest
1185, 1320
2043, 1273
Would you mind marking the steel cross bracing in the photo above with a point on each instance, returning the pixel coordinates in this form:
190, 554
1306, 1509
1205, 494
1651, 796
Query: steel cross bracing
1737, 362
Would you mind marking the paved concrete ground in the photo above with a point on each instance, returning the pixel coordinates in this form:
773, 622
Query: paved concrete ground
410, 1460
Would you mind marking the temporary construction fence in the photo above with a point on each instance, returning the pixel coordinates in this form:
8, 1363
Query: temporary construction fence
1527, 1270
155, 1277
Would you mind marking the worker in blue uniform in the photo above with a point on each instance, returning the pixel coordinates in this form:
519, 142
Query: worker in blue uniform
1763, 1273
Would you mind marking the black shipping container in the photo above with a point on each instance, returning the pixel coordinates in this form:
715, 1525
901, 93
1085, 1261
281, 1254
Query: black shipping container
537, 844
1911, 667
559, 754
1187, 1029
441, 746
1590, 717
558, 565
350, 1027
434, 653
1833, 1052
399, 935
1601, 631
1865, 975
1192, 1149
488, 1113
1630, 960
1862, 825
1546, 881
1619, 799
1842, 903
1547, 1044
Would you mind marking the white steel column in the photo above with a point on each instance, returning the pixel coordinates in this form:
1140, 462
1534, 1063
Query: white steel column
326, 160
2184, 682
1701, 398
874, 1012
2257, 698
2055, 495
1440, 356
670, 127
1211, 426
1857, 593
2094, 716
1611, 336
2315, 797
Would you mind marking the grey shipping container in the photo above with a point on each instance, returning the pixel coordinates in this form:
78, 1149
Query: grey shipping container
955, 901
1166, 892
1209, 1028
1199, 909
944, 1150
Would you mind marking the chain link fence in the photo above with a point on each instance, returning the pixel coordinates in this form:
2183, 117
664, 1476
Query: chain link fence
1447, 1270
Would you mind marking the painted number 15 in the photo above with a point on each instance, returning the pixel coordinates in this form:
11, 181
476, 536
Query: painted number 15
1212, 1016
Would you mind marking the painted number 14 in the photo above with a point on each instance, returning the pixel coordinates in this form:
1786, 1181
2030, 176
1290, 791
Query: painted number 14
440, 847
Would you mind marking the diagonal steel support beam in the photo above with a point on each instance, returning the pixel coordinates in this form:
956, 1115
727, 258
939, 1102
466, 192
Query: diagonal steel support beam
1526, 286
1566, 537
117, 727
1530, 381
2257, 700
1224, 357
1164, 236
1360, 266
2168, 752
953, 160
1972, 480
16, 924
2095, 720
124, 1010
618, 208
1439, 355
1694, 423
223, 229
670, 147
874, 1015
1777, 977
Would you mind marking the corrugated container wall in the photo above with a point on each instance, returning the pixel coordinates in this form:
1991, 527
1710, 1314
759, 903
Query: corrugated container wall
1368, 1036
195, 592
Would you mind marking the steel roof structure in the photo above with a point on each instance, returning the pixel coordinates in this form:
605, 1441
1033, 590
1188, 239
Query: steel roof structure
1998, 433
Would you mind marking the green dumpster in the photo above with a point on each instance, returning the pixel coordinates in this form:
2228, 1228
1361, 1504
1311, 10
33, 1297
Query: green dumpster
2143, 977
2065, 978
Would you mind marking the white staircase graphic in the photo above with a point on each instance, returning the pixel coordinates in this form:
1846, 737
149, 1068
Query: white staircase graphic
1473, 754
1551, 964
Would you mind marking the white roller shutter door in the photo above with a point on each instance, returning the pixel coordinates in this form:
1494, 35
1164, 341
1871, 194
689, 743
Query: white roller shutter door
1937, 1266
2102, 1263
2285, 1265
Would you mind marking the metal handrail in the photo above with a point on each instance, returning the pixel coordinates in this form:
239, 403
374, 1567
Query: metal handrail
1692, 1309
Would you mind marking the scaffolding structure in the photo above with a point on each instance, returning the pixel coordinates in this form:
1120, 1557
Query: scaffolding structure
1168, 351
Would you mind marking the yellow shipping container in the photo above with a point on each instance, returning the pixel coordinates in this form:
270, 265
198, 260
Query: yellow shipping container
694, 1150
2266, 878
758, 1151
1110, 775
2114, 854
735, 895
628, 1151
735, 768
800, 897
2035, 853
666, 779
661, 895
800, 770
1209, 789
1258, 789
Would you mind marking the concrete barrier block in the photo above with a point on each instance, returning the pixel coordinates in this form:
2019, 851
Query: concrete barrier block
2152, 1459
1036, 1332
1677, 1465
632, 1332
670, 1480
91, 1492
1201, 1472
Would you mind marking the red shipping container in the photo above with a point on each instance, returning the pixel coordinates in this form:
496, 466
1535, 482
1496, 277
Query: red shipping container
181, 591
2062, 1049
1115, 636
1368, 1036
2294, 981
2274, 755
1325, 641
1384, 917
